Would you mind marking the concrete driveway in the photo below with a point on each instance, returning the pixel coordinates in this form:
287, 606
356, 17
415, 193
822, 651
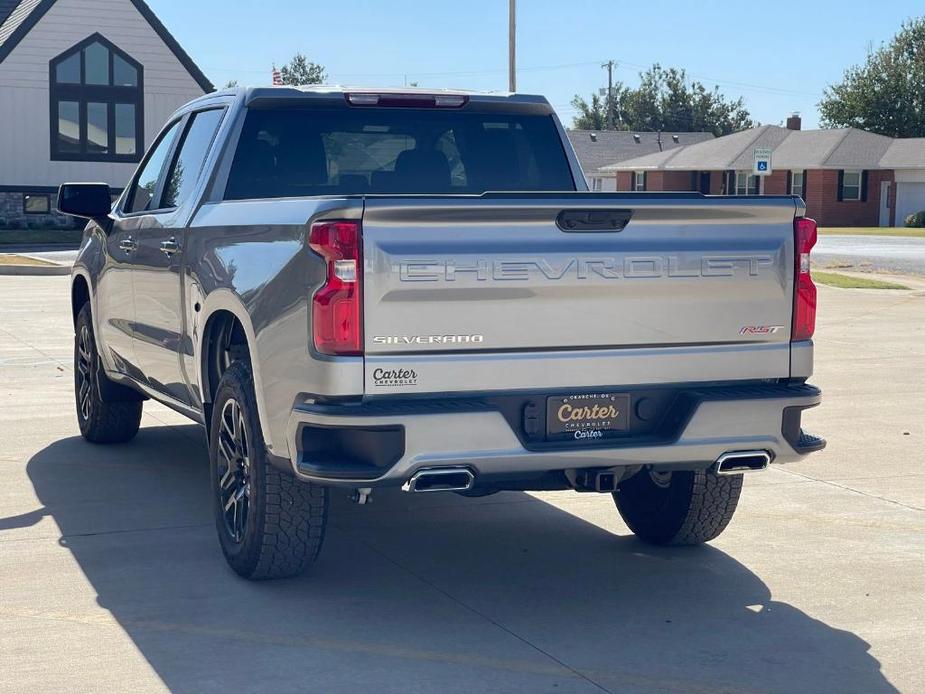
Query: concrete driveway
111, 578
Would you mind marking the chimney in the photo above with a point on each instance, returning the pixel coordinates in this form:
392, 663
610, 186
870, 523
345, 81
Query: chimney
794, 122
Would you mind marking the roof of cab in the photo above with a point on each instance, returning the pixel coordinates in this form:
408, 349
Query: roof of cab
327, 91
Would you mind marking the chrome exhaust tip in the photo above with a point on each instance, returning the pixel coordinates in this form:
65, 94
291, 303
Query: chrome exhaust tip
738, 462
440, 479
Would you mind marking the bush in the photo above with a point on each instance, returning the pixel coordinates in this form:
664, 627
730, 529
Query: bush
917, 219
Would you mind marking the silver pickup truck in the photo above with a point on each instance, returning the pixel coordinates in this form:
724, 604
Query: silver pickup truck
372, 288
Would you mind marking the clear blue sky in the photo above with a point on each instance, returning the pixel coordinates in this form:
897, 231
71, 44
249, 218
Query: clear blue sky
778, 55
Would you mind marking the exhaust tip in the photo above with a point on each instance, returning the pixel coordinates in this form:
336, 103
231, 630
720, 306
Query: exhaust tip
443, 479
739, 462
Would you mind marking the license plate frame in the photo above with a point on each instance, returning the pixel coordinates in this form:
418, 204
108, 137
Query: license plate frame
587, 416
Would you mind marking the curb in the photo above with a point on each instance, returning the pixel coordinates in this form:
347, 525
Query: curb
45, 270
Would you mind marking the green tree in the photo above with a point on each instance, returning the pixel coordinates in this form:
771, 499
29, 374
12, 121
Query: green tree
664, 100
300, 70
886, 94
230, 84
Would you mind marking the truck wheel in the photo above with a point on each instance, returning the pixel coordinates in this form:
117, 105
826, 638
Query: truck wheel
99, 421
270, 524
678, 508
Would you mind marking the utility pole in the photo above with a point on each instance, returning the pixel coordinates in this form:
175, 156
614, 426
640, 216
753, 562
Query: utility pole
511, 46
609, 114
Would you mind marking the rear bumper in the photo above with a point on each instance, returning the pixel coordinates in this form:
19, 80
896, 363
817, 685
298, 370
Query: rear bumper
385, 443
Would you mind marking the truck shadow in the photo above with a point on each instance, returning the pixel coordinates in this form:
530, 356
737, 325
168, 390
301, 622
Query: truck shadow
430, 592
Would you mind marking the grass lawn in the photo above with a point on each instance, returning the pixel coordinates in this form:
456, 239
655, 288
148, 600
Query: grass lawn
26, 237
834, 279
9, 259
872, 231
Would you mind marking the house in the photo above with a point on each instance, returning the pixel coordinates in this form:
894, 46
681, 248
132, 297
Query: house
847, 177
598, 148
85, 85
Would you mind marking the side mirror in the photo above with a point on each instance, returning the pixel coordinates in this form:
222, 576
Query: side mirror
87, 200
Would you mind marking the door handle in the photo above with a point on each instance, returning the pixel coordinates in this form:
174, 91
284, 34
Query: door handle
170, 246
128, 244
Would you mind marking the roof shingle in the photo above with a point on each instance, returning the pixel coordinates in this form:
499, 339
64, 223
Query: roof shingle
12, 14
846, 148
598, 148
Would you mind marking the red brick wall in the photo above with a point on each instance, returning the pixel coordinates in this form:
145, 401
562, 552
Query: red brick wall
776, 183
624, 180
675, 181
822, 202
716, 182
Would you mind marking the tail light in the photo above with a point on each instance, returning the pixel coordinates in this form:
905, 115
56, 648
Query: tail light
337, 312
804, 291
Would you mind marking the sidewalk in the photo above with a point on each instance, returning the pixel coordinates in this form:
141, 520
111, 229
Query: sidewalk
39, 262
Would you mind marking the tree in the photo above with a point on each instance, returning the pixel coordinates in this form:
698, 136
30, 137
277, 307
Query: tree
300, 70
231, 84
664, 100
886, 95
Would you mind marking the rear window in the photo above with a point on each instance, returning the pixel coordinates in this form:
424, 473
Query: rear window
299, 152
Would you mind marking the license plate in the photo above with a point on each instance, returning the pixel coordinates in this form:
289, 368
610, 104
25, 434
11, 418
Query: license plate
587, 417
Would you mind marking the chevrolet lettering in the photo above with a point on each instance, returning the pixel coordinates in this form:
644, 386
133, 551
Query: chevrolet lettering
360, 289
584, 268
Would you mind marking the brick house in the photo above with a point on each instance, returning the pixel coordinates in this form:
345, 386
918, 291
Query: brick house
847, 177
84, 88
598, 148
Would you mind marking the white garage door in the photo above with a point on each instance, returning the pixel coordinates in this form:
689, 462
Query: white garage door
910, 197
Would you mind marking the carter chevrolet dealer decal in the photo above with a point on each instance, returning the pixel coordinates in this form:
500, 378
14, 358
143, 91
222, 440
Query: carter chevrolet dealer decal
574, 415
395, 377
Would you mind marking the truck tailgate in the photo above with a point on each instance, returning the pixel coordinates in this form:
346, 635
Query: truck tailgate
531, 276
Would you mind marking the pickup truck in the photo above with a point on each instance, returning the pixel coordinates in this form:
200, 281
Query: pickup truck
355, 289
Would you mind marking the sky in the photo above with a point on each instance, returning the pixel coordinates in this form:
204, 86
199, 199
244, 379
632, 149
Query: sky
779, 56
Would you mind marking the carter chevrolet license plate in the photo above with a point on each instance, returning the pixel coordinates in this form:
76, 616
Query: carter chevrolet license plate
588, 416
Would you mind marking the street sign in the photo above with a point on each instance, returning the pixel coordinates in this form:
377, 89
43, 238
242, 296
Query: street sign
762, 162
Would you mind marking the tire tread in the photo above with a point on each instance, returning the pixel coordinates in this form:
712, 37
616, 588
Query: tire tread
292, 514
109, 422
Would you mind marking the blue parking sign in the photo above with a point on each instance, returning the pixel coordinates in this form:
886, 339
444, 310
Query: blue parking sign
762, 161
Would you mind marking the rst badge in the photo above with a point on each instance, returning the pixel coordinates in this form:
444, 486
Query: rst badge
760, 329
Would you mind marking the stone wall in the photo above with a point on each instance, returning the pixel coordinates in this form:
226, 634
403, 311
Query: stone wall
14, 216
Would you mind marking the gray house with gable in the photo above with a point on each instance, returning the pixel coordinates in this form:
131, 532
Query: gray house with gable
85, 85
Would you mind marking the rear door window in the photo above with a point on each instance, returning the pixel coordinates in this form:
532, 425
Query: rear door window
306, 152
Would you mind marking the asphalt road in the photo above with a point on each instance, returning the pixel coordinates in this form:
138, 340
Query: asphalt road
886, 253
111, 578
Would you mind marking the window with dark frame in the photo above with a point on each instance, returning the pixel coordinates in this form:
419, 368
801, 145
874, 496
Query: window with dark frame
796, 183
96, 103
36, 203
851, 186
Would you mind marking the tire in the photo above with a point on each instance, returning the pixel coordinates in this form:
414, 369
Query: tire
678, 508
270, 524
100, 421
